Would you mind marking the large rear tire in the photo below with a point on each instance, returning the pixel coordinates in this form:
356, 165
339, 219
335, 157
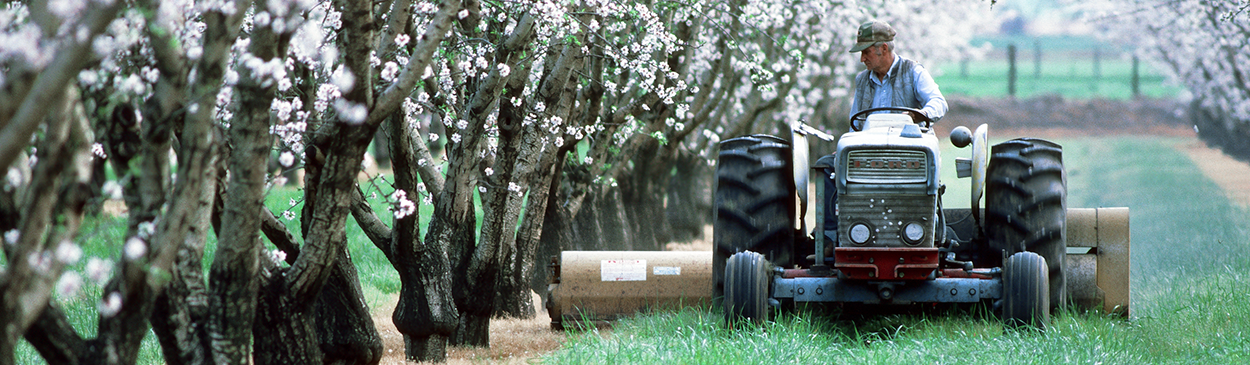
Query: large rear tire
754, 203
1026, 205
1025, 299
748, 276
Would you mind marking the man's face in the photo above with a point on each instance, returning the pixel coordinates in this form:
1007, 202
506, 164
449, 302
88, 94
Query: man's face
876, 59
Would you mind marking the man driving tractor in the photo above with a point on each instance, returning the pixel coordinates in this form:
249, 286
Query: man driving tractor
889, 81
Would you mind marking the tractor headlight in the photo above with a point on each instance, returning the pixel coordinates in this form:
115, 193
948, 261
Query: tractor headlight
913, 232
860, 233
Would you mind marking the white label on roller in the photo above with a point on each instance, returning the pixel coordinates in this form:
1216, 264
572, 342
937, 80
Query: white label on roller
623, 270
666, 270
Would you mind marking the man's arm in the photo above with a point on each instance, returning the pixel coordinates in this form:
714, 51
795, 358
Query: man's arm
931, 99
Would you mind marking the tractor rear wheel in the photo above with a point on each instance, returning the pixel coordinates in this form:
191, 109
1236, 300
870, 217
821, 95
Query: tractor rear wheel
754, 203
747, 279
1026, 205
1025, 287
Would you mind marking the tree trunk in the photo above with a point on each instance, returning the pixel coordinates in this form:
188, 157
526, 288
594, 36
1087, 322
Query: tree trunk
345, 328
286, 326
689, 204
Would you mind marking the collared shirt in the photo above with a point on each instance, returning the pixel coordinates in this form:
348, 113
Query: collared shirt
933, 103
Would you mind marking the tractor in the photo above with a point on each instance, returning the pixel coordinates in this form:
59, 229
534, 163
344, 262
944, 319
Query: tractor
883, 238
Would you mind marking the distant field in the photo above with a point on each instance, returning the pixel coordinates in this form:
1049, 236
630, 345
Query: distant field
1067, 67
1191, 273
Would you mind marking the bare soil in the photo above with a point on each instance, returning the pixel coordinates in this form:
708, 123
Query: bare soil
1230, 174
512, 341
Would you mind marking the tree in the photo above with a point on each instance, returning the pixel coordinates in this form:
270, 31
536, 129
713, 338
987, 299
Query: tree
1202, 46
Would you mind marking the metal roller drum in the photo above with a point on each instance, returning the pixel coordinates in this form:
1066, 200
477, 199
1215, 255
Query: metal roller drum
605, 285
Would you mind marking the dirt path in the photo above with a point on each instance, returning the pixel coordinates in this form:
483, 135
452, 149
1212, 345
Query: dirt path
1230, 174
512, 341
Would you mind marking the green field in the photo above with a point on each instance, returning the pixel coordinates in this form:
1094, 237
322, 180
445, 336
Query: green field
1067, 67
1191, 263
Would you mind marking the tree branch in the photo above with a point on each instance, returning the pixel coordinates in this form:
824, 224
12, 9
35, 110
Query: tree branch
70, 57
394, 95
373, 227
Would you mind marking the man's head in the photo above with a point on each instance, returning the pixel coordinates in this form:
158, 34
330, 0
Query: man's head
876, 46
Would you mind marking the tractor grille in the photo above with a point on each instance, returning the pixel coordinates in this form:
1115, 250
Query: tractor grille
885, 215
886, 167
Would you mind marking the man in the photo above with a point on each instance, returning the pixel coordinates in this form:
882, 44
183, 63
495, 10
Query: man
891, 80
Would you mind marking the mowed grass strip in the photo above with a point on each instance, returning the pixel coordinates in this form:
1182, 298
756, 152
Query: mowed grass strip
1191, 263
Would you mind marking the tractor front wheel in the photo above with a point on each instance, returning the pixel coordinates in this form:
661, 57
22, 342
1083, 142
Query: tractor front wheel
1026, 299
748, 276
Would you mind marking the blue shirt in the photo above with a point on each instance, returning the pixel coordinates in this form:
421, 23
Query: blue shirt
934, 105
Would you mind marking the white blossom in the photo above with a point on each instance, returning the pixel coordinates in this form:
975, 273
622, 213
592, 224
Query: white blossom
135, 248
400, 205
146, 229
390, 71
97, 149
112, 189
68, 252
98, 270
12, 236
343, 79
278, 256
110, 305
351, 113
68, 284
402, 40
286, 159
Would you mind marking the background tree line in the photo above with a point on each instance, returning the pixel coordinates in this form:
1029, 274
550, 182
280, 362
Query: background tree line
567, 124
1205, 47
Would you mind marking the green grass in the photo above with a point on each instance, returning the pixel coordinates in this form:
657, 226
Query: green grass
1191, 266
1067, 68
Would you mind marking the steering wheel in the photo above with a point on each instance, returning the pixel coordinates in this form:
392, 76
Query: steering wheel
862, 116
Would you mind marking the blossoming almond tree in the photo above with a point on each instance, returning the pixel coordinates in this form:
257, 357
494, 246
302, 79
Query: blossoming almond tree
1200, 45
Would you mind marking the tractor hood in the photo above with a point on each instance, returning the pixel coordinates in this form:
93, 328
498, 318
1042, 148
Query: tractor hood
889, 154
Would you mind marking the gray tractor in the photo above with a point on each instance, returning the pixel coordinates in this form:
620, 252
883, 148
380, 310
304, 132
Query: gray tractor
891, 242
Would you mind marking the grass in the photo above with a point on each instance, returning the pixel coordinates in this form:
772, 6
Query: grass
1067, 68
1191, 265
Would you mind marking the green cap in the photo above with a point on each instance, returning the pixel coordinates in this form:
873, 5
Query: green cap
871, 33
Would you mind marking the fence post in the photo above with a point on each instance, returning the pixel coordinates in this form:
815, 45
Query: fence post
1136, 79
1097, 63
1011, 70
1037, 58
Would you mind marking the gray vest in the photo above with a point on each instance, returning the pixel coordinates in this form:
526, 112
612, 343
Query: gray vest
904, 93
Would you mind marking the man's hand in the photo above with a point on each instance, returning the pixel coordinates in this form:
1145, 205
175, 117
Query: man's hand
915, 117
